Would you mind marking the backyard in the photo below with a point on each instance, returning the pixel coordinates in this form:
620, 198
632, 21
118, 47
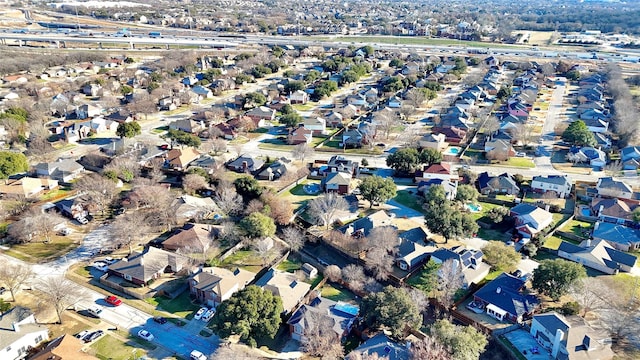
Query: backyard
297, 196
180, 306
337, 292
409, 199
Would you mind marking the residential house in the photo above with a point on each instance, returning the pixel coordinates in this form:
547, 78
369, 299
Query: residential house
453, 135
609, 187
570, 338
72, 208
202, 92
394, 102
597, 125
492, 61
352, 138
371, 95
228, 131
530, 219
410, 68
193, 238
86, 111
338, 163
558, 184
213, 285
317, 125
63, 170
499, 149
285, 285
299, 97
468, 261
189, 80
207, 163
383, 346
19, 332
413, 250
179, 159
300, 135
26, 187
356, 100
142, 267
169, 103
450, 187
334, 120
435, 171
339, 182
504, 298
603, 141
65, 347
598, 255
595, 157
187, 125
614, 210
341, 316
276, 170
630, 157
363, 226
261, 113
245, 164
190, 207
619, 236
593, 114
120, 117
433, 141
501, 184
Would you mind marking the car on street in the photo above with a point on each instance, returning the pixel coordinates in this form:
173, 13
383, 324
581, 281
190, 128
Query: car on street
100, 266
93, 336
160, 320
145, 335
95, 310
200, 313
112, 300
208, 315
197, 355
82, 334
521, 154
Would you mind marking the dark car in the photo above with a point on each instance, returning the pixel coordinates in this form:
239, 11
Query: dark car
94, 335
160, 320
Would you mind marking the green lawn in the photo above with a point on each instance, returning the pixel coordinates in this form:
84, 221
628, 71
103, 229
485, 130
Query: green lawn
297, 196
578, 228
180, 306
337, 293
520, 162
486, 207
160, 130
409, 200
490, 234
108, 347
55, 194
492, 275
289, 266
245, 259
37, 251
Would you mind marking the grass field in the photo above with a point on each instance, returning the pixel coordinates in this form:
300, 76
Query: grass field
337, 293
180, 306
520, 162
297, 196
108, 347
37, 251
409, 200
289, 266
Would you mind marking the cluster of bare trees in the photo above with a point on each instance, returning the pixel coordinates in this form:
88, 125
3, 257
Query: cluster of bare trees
353, 276
17, 61
34, 224
13, 276
324, 209
626, 113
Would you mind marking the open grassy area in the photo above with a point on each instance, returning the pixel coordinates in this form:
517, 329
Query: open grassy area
289, 266
297, 196
486, 207
337, 293
56, 194
245, 259
108, 347
38, 251
180, 306
578, 228
520, 162
160, 130
305, 107
409, 200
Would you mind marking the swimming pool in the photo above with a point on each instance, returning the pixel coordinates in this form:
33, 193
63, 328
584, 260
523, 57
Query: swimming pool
452, 150
473, 207
311, 189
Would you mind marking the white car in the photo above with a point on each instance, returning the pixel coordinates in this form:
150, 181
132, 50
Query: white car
82, 220
144, 334
200, 313
109, 260
208, 315
197, 355
82, 334
101, 266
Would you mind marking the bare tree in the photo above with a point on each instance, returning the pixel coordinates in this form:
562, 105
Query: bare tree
590, 294
235, 352
302, 151
613, 168
407, 110
218, 146
333, 273
13, 276
380, 263
386, 120
142, 103
228, 200
263, 247
384, 237
491, 125
129, 229
126, 168
281, 211
429, 349
294, 237
415, 97
354, 276
44, 223
193, 182
325, 208
319, 337
450, 280
59, 293
355, 355
96, 192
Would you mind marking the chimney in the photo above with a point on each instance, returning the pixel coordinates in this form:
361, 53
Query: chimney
141, 260
16, 327
557, 341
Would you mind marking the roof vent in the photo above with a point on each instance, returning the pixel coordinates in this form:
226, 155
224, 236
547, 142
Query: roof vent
498, 290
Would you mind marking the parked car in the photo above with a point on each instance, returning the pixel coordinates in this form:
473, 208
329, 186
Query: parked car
82, 334
82, 220
109, 260
112, 300
64, 232
95, 310
200, 313
208, 315
145, 335
101, 266
160, 320
197, 355
521, 154
93, 336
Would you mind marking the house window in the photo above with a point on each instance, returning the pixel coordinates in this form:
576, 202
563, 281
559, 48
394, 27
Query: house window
127, 277
39, 339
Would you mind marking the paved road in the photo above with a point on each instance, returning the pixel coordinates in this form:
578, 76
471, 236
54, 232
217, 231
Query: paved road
552, 120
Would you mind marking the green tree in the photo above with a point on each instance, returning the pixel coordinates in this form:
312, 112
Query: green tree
501, 256
126, 89
579, 134
291, 119
184, 138
349, 77
396, 63
257, 225
393, 84
377, 189
430, 156
466, 193
277, 51
463, 342
404, 161
555, 277
497, 214
636, 215
393, 309
251, 313
427, 280
287, 109
4, 306
368, 50
248, 187
441, 217
293, 86
573, 75
243, 78
311, 76
253, 99
12, 163
324, 89
128, 130
504, 92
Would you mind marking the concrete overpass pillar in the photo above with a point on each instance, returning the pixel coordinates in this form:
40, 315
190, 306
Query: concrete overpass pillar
58, 44
99, 44
20, 43
167, 46
131, 45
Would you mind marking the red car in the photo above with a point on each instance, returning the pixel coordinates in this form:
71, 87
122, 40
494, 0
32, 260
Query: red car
112, 300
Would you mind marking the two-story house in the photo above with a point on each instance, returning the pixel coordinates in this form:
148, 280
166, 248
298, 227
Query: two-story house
558, 184
19, 332
213, 285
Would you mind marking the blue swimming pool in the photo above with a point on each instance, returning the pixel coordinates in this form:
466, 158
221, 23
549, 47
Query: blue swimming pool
347, 308
452, 150
473, 207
